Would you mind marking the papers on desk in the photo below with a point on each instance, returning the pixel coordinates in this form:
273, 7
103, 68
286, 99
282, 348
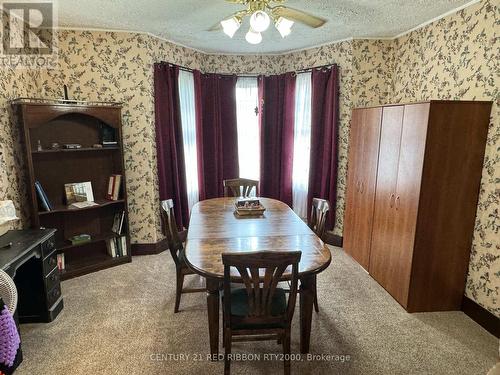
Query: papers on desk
7, 213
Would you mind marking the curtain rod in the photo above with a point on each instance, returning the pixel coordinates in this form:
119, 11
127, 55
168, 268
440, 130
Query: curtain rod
250, 75
328, 66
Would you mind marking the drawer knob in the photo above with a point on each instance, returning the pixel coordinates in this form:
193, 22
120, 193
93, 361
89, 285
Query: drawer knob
49, 244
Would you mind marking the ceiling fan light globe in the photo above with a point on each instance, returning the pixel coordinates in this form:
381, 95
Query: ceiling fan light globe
260, 21
253, 37
230, 26
284, 26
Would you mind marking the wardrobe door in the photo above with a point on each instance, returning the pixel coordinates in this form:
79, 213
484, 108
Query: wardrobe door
385, 239
411, 161
352, 189
362, 173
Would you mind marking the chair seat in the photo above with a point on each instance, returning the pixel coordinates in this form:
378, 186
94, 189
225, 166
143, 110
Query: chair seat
240, 308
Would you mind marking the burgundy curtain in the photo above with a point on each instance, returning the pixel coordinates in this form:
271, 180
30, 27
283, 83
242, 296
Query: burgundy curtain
169, 143
217, 139
324, 138
277, 102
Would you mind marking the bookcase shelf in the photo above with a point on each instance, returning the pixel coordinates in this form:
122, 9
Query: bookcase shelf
69, 150
91, 264
67, 210
66, 245
45, 123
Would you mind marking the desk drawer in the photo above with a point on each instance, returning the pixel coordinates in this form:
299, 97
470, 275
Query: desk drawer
49, 263
48, 246
52, 280
53, 295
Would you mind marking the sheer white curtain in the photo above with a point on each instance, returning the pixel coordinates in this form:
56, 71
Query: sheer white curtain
302, 144
188, 120
247, 97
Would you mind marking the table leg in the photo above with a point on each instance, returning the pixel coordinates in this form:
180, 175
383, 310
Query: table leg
306, 308
213, 316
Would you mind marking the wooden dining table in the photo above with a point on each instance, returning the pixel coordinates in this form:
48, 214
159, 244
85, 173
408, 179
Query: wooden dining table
214, 228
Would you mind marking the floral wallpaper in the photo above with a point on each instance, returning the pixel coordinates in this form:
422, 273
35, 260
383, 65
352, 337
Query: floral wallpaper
453, 58
457, 58
14, 83
242, 64
372, 65
118, 66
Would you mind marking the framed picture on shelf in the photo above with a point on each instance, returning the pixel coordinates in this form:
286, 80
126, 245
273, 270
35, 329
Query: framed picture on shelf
108, 136
78, 192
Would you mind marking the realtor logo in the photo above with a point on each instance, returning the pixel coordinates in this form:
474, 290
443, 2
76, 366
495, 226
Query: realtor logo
28, 36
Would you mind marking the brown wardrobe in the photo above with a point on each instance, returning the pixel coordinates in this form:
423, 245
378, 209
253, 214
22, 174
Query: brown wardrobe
412, 191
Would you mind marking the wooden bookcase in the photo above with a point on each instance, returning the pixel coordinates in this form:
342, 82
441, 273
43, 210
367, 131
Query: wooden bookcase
64, 122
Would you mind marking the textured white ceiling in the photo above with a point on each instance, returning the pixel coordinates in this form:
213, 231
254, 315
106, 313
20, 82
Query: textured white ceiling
186, 21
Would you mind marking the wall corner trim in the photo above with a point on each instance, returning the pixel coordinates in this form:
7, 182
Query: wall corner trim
333, 239
149, 248
481, 316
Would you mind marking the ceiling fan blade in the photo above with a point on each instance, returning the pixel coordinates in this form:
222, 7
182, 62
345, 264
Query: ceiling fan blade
215, 27
299, 16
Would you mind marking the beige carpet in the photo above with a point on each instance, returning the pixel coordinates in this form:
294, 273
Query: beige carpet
121, 321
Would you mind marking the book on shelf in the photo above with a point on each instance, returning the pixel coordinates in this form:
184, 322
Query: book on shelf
117, 246
61, 265
80, 239
118, 222
111, 245
42, 197
123, 240
114, 185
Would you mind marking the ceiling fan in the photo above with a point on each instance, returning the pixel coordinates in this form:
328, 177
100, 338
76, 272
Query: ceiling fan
261, 14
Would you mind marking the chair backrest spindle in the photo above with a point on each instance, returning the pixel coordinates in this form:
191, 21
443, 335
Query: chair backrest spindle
260, 272
240, 187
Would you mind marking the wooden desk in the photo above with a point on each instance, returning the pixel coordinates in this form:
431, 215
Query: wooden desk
26, 261
214, 229
31, 261
24, 247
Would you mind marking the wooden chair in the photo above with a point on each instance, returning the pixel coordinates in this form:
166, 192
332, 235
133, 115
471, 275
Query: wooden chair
260, 310
176, 249
239, 187
319, 212
317, 222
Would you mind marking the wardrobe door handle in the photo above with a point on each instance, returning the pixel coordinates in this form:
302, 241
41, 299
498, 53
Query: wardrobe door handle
357, 186
398, 200
362, 187
391, 200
